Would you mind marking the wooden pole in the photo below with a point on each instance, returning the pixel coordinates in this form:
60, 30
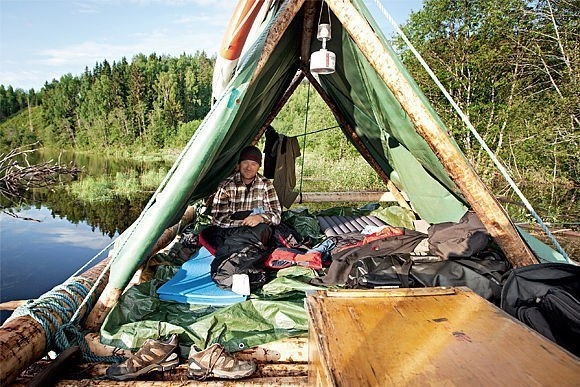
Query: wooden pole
477, 194
307, 31
111, 294
275, 33
338, 197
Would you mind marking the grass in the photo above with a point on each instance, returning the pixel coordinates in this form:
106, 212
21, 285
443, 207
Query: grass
122, 185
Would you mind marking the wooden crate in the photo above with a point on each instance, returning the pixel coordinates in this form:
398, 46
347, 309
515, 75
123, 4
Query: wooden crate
427, 337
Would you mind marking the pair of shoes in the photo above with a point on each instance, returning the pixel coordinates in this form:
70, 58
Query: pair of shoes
154, 355
214, 361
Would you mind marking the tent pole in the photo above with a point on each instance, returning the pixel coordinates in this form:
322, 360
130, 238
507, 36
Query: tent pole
356, 139
307, 31
275, 34
477, 194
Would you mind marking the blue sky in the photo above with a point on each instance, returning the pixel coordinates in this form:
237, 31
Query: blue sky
41, 40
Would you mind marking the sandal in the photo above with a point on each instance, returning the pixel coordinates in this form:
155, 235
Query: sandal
154, 355
215, 361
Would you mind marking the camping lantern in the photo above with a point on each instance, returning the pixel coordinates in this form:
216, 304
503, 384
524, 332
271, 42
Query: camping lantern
323, 61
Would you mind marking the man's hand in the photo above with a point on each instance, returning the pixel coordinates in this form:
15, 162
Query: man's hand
252, 220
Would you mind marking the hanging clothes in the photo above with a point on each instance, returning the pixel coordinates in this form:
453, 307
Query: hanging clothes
270, 152
287, 150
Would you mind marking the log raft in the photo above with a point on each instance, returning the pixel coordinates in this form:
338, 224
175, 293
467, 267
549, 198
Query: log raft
23, 339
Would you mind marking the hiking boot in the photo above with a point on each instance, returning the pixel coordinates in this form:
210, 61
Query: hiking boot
154, 355
216, 362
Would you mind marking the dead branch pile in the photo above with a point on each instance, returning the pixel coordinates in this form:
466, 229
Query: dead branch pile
18, 175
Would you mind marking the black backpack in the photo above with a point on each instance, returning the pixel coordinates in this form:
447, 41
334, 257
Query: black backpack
546, 297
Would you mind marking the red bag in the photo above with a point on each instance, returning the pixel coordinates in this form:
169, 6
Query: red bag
283, 257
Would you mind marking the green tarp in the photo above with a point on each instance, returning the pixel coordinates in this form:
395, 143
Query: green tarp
274, 313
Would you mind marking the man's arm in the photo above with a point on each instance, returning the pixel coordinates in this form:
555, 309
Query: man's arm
221, 209
272, 208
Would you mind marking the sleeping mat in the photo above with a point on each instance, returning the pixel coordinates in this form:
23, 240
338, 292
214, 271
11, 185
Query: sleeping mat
193, 284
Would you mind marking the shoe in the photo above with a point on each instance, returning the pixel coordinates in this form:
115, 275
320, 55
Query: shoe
154, 355
216, 362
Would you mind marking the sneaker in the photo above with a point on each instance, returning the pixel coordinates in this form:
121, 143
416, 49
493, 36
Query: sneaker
154, 355
216, 362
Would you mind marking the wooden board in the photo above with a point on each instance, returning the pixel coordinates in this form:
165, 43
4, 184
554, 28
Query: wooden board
432, 336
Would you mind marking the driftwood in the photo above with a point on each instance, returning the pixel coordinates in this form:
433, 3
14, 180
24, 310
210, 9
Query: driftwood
11, 305
18, 175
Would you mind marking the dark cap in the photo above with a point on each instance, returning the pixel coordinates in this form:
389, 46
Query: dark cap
251, 153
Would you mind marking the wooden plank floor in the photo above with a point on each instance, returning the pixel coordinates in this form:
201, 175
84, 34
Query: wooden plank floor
432, 336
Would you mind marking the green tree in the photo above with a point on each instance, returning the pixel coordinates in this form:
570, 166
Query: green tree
511, 65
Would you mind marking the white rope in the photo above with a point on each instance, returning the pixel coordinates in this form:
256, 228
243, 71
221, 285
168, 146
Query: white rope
472, 129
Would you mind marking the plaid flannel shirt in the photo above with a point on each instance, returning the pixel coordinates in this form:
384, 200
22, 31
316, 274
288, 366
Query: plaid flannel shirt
232, 196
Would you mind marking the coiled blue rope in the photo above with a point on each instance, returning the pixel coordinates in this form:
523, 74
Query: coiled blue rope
63, 302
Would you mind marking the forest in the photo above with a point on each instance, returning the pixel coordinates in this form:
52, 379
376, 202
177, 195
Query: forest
510, 65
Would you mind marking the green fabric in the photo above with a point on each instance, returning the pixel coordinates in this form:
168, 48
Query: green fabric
276, 312
396, 216
544, 252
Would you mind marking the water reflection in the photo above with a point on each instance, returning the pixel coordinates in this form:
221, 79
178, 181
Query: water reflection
37, 255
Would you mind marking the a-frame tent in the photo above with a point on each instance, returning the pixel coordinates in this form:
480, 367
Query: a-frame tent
380, 108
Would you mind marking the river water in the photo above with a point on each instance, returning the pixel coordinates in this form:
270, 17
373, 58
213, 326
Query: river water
44, 243
42, 251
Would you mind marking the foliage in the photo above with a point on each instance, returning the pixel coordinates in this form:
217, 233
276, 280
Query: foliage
148, 103
123, 185
512, 67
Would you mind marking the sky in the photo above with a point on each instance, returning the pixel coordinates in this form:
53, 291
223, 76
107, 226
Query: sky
42, 40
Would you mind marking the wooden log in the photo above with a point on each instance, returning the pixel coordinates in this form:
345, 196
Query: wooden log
23, 339
94, 371
290, 350
477, 194
48, 375
111, 294
252, 382
324, 197
349, 131
11, 305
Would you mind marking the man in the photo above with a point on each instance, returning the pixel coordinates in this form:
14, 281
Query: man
246, 198
245, 208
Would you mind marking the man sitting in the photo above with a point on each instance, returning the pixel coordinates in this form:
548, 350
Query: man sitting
245, 208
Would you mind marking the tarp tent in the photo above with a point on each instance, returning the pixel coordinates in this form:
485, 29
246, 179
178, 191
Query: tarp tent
378, 105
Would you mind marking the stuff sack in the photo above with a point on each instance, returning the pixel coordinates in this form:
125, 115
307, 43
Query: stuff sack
546, 297
381, 272
283, 257
246, 261
484, 276
464, 239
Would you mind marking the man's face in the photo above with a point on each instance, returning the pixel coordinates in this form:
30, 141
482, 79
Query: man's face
248, 169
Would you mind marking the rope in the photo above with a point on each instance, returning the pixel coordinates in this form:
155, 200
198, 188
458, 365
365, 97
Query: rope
317, 131
52, 311
304, 142
472, 129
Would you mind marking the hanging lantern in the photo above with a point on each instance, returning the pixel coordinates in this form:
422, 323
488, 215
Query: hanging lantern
323, 61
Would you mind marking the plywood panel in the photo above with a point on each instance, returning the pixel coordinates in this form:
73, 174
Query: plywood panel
432, 337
